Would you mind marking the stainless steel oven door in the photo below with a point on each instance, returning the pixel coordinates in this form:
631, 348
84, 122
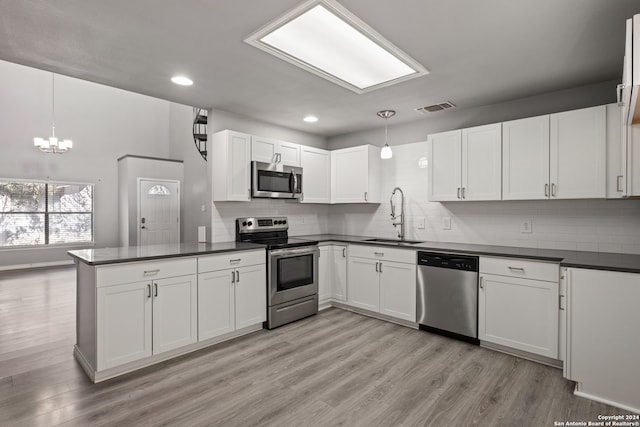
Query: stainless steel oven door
293, 273
273, 180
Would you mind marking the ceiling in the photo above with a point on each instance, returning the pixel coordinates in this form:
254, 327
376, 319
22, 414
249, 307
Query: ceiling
478, 53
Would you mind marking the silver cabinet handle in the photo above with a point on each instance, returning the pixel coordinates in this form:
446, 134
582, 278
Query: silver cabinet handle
378, 253
481, 285
377, 271
279, 157
618, 186
458, 192
365, 196
560, 302
520, 269
237, 276
235, 260
546, 190
233, 276
344, 252
148, 290
553, 190
619, 89
380, 267
155, 285
463, 196
157, 270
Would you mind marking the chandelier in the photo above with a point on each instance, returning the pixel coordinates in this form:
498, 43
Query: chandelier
53, 144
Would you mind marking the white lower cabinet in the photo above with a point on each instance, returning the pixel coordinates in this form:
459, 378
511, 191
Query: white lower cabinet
233, 295
515, 308
602, 337
137, 320
382, 280
332, 274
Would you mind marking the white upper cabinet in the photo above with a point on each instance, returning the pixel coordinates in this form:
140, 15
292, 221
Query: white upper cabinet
525, 159
229, 166
269, 150
631, 73
578, 154
465, 164
355, 175
616, 153
482, 163
316, 167
445, 176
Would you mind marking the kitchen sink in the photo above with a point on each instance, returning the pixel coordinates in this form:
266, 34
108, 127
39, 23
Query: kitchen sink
394, 241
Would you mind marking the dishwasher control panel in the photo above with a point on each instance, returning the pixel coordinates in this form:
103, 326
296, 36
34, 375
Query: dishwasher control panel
456, 262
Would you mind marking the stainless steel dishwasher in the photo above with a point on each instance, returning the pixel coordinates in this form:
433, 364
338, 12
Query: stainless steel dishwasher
447, 300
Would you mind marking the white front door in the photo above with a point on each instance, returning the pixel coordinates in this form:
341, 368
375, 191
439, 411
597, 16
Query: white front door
159, 212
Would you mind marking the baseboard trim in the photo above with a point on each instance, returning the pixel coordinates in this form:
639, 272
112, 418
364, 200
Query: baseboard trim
578, 392
523, 354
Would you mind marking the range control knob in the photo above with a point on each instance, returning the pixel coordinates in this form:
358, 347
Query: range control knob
250, 223
244, 223
284, 221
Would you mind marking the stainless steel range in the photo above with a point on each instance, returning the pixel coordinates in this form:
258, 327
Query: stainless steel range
292, 269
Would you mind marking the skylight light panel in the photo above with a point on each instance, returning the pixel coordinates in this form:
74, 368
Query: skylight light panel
326, 39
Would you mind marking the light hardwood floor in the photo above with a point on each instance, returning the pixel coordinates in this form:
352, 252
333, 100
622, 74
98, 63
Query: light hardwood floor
336, 368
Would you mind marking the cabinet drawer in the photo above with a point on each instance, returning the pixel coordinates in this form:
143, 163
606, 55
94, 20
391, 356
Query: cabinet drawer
230, 260
383, 253
138, 271
516, 267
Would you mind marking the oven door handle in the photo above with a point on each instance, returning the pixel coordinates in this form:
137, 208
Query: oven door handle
304, 250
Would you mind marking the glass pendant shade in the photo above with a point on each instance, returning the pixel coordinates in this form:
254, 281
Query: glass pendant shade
386, 152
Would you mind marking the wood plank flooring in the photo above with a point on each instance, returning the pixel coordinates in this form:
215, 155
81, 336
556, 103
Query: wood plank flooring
334, 369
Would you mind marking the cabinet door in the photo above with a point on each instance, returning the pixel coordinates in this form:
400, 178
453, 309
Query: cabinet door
250, 295
339, 288
264, 149
616, 153
124, 324
363, 284
316, 183
216, 305
482, 163
325, 273
445, 177
349, 175
578, 154
525, 159
229, 166
398, 290
289, 153
519, 313
175, 312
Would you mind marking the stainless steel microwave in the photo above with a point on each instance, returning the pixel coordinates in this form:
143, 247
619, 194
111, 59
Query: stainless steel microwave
276, 181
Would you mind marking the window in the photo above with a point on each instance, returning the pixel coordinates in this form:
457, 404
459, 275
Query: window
45, 213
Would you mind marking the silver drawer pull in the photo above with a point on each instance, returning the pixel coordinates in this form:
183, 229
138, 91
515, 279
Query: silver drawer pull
378, 253
235, 260
520, 269
157, 270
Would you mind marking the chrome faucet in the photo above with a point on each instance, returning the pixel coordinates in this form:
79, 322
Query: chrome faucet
393, 212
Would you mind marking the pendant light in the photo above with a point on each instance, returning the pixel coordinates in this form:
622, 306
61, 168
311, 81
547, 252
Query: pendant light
386, 152
52, 144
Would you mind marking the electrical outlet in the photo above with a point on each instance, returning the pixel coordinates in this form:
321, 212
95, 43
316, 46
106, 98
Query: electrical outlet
526, 226
302, 220
446, 223
420, 222
203, 208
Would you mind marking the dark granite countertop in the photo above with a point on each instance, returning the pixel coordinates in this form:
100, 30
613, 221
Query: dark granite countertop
579, 259
103, 256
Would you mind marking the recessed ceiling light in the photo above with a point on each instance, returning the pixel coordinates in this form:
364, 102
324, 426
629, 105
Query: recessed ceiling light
310, 119
182, 80
326, 39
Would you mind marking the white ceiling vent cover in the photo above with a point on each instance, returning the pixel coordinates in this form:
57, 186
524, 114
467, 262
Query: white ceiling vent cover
435, 107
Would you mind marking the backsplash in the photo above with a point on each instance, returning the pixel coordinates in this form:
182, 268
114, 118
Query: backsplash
303, 218
588, 225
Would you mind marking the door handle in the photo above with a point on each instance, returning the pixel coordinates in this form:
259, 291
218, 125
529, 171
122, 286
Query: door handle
233, 276
344, 252
546, 190
237, 276
148, 290
156, 289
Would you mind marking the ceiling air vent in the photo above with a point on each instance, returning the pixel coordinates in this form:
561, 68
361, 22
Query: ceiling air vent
435, 107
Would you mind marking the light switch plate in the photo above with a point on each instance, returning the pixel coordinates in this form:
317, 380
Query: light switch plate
420, 222
526, 226
446, 223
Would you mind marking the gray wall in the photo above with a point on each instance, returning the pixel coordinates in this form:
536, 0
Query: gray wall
415, 131
104, 124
